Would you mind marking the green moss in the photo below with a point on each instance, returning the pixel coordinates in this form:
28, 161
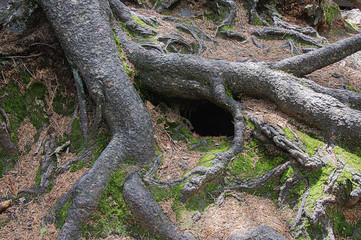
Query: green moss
287, 174
331, 11
340, 226
351, 159
289, 134
76, 137
61, 215
78, 166
7, 161
317, 183
62, 104
255, 161
311, 143
206, 158
25, 105
250, 124
101, 143
114, 217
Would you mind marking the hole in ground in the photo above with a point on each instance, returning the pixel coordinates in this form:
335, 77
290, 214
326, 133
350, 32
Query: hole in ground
208, 119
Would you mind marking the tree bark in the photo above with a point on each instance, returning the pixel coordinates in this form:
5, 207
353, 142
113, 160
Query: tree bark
83, 29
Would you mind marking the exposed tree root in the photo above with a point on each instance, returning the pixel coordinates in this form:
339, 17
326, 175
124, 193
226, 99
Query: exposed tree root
276, 134
228, 20
99, 65
307, 63
47, 168
289, 184
261, 181
310, 31
147, 211
84, 123
291, 44
233, 35
279, 34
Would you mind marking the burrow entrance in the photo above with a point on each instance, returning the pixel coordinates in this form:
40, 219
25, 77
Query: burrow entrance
208, 119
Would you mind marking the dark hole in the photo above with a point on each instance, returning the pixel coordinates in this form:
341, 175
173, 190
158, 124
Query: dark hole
208, 119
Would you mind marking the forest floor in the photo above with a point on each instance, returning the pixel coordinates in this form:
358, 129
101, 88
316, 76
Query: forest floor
23, 219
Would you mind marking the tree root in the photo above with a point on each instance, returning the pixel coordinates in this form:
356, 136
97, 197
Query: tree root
47, 169
84, 123
261, 181
307, 63
289, 184
168, 40
232, 35
291, 44
279, 34
147, 211
201, 45
309, 31
101, 69
276, 134
228, 20
258, 44
165, 4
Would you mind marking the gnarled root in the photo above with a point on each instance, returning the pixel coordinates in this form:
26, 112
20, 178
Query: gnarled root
147, 211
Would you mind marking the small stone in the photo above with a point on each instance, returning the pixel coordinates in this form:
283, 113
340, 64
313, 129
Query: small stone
196, 216
22, 199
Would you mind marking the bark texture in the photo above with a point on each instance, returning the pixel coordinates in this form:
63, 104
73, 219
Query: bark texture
83, 29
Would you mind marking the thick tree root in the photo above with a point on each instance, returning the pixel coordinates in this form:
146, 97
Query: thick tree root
307, 63
279, 34
101, 69
185, 77
147, 211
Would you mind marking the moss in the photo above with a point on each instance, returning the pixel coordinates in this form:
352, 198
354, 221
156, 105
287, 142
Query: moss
287, 174
289, 134
317, 183
25, 105
255, 161
250, 124
113, 217
76, 137
331, 11
78, 166
102, 140
340, 226
62, 104
311, 143
61, 215
351, 159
